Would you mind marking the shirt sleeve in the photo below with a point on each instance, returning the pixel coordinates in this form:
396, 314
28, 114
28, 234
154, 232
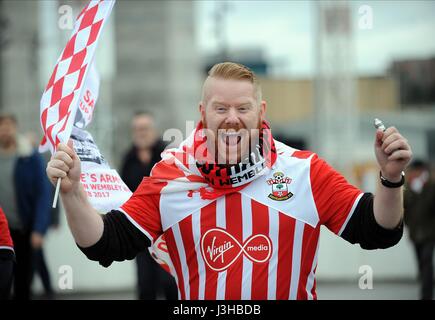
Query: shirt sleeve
120, 240
142, 209
335, 198
363, 229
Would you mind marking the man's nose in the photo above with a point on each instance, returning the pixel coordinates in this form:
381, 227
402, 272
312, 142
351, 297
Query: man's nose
232, 117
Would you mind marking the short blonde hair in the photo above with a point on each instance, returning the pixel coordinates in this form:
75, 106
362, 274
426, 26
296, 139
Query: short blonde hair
236, 71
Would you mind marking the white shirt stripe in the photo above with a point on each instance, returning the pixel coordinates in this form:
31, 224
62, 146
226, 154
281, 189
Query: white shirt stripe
183, 262
350, 213
136, 224
196, 230
247, 232
310, 281
296, 259
221, 223
7, 247
273, 262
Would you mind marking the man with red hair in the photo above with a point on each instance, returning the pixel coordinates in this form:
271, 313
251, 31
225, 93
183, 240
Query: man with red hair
240, 212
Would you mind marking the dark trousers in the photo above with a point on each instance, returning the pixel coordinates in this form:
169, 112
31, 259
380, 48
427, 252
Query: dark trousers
41, 269
23, 270
6, 273
424, 252
153, 280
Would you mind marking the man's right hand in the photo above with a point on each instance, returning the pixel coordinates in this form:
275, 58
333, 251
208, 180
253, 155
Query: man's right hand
84, 221
65, 164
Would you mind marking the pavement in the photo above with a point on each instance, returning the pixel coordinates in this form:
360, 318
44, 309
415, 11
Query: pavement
326, 290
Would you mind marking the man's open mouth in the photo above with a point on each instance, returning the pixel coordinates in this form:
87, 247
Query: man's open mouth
231, 138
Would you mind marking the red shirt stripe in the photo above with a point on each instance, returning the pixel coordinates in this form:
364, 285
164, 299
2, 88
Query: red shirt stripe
260, 225
192, 263
173, 252
285, 252
234, 225
208, 221
309, 245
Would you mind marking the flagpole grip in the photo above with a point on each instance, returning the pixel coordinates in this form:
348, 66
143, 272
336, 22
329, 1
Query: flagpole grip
56, 193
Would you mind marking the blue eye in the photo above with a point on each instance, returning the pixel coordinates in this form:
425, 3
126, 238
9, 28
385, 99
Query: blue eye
243, 109
221, 109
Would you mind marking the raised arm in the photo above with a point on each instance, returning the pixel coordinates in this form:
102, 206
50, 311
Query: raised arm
84, 221
393, 154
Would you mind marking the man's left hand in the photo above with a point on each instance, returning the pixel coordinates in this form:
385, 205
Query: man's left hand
392, 152
36, 240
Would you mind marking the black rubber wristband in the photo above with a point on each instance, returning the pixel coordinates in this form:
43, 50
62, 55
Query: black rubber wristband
390, 184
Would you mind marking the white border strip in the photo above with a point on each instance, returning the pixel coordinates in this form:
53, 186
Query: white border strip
349, 215
183, 259
312, 275
296, 259
221, 223
247, 232
137, 225
7, 247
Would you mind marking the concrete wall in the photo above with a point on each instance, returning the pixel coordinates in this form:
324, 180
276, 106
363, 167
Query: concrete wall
21, 91
340, 260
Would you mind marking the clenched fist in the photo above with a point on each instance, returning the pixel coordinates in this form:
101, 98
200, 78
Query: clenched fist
392, 152
65, 164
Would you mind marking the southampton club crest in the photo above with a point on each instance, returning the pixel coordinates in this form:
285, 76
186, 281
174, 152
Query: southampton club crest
279, 184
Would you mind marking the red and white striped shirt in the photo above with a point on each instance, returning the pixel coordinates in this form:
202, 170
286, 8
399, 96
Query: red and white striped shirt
258, 243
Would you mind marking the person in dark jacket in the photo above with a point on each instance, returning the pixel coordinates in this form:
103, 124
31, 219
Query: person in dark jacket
420, 220
137, 163
25, 198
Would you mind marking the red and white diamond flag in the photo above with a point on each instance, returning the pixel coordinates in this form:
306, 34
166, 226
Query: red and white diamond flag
61, 98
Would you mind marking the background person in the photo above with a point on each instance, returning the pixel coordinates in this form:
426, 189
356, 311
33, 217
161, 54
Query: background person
25, 198
420, 220
137, 163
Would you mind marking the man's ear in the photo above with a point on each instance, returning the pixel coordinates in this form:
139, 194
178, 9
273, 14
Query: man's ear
263, 107
202, 111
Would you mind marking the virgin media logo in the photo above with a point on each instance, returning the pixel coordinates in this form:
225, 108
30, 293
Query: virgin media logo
220, 249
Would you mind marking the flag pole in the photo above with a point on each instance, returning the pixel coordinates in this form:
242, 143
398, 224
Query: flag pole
56, 193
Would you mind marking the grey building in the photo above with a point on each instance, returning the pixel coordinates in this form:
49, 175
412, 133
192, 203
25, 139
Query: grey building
150, 45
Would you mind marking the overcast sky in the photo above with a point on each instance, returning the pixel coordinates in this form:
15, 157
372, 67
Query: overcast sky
285, 31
